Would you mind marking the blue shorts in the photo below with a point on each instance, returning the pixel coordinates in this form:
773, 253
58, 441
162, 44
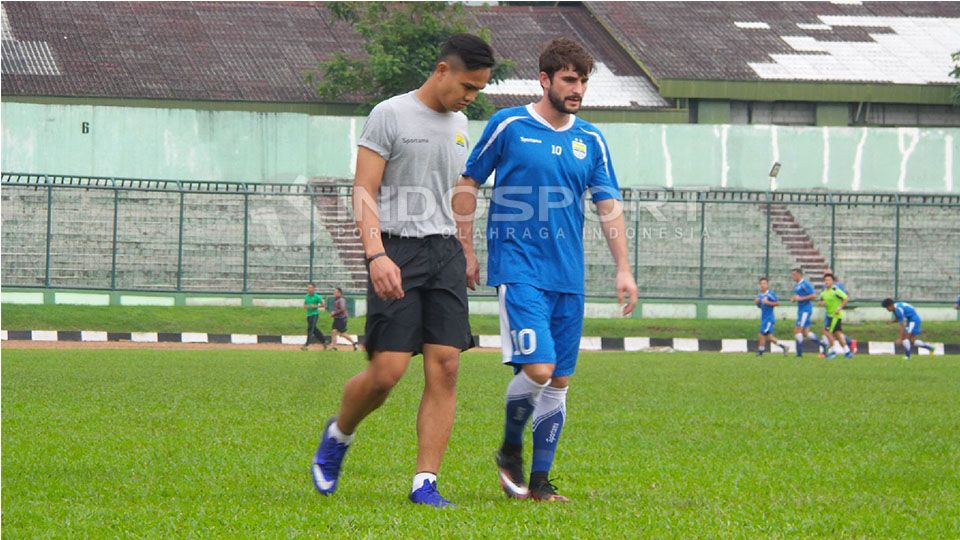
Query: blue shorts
538, 326
912, 327
804, 317
766, 327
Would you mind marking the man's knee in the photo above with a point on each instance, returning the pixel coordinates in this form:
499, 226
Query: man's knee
444, 364
384, 375
539, 373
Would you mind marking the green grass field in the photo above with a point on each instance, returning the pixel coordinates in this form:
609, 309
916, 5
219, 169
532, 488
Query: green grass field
156, 443
260, 320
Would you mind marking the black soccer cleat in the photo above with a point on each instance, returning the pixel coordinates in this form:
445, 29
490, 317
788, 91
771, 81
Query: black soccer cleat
510, 472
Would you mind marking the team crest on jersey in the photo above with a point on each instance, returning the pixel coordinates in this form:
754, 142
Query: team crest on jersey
460, 140
579, 149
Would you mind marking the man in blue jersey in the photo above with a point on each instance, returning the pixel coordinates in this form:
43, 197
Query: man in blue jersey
546, 159
910, 326
766, 300
803, 295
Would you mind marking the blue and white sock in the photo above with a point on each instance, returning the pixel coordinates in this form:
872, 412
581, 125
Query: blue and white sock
924, 344
906, 347
522, 395
548, 417
798, 337
824, 344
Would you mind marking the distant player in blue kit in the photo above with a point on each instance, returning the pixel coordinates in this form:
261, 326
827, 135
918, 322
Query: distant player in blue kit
766, 300
910, 326
546, 160
803, 295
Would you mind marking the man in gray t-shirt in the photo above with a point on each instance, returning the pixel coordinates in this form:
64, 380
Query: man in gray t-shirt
424, 151
411, 153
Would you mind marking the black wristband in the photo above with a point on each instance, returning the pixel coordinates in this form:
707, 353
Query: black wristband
376, 256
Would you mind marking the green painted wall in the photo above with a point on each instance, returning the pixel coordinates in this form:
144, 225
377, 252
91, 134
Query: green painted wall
270, 146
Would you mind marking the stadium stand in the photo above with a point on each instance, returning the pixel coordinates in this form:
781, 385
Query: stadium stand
779, 63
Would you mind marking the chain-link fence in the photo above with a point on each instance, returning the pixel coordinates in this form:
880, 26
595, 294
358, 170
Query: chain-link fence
154, 235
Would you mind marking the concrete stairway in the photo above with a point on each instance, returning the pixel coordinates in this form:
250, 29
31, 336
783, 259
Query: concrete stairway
335, 215
798, 243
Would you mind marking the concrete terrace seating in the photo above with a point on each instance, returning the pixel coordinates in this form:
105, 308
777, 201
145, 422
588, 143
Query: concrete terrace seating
278, 235
865, 247
663, 238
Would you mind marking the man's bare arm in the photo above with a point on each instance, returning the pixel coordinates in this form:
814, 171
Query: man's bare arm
614, 229
384, 273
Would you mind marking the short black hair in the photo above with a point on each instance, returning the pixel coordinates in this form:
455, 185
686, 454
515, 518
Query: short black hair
797, 270
764, 278
831, 276
311, 284
338, 289
474, 52
887, 302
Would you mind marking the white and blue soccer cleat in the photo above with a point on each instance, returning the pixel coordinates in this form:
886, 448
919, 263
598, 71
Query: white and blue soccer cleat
327, 462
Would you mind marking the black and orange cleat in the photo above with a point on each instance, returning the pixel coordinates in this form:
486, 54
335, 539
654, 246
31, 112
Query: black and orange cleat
543, 490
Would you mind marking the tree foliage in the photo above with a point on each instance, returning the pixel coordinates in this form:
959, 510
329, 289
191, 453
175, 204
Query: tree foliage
402, 41
956, 75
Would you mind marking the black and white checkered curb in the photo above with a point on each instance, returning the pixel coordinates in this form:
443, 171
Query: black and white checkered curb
628, 344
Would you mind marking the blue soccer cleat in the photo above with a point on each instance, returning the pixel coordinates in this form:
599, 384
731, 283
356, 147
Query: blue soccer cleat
848, 355
427, 494
832, 355
327, 462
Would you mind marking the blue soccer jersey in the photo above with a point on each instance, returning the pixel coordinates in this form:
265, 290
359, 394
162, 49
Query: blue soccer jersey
766, 311
804, 288
905, 312
536, 215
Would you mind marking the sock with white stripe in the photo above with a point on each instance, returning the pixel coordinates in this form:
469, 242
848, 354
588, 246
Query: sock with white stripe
924, 344
906, 347
548, 418
522, 396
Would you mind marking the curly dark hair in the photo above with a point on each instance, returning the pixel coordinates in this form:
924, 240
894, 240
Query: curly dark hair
563, 53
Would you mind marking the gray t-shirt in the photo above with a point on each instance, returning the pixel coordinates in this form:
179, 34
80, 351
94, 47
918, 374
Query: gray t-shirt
425, 152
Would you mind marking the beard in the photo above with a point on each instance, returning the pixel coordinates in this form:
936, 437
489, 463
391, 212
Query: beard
559, 103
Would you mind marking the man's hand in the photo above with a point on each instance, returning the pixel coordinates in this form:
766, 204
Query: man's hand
473, 271
795, 298
626, 289
386, 278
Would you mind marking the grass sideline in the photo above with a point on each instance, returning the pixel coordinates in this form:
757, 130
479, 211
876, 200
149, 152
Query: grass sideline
139, 443
290, 321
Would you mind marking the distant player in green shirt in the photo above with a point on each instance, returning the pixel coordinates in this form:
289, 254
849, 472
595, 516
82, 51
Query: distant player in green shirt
833, 299
313, 303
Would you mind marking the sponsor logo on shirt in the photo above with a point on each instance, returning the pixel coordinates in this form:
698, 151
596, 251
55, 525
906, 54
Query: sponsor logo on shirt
405, 140
529, 140
460, 140
579, 149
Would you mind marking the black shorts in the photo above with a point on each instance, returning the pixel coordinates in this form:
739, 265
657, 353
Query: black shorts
434, 306
828, 321
339, 324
